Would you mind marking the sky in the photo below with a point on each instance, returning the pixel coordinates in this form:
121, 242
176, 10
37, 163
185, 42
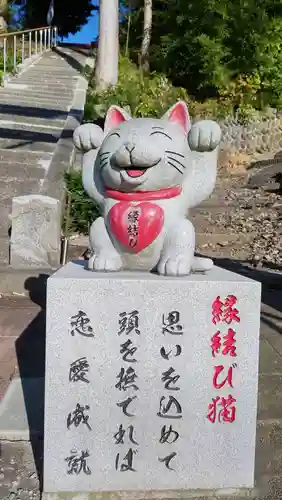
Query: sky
89, 32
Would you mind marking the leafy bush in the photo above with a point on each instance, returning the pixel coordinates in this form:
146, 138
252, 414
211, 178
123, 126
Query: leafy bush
142, 96
152, 95
83, 211
9, 64
10, 60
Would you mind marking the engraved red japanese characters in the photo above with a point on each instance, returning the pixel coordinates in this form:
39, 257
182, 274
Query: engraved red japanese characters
222, 408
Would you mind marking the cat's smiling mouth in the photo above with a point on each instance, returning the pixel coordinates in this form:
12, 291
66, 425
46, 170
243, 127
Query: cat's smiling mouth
135, 172
138, 171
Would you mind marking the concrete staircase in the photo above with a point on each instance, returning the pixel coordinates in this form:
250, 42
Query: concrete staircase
33, 110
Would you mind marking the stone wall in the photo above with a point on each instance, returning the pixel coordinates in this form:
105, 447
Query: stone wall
254, 137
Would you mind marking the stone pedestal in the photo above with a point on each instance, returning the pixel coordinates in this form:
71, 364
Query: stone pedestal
151, 384
36, 232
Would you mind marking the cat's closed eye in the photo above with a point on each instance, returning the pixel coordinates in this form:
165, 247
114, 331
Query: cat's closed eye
114, 133
162, 133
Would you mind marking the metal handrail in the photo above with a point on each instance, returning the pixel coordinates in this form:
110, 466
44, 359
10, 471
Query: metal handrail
32, 43
11, 33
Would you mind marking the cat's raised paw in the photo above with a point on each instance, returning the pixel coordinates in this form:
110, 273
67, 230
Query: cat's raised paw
174, 266
204, 136
106, 263
88, 136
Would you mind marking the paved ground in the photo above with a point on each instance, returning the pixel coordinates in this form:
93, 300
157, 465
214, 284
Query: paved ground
33, 110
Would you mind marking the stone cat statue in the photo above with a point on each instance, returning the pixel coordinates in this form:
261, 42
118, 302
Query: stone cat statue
145, 174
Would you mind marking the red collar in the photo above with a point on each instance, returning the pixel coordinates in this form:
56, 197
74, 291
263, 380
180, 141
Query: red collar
160, 194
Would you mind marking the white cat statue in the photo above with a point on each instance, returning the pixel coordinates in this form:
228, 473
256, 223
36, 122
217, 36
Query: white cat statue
145, 174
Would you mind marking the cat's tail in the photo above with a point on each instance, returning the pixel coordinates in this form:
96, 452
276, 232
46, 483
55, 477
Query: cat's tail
201, 264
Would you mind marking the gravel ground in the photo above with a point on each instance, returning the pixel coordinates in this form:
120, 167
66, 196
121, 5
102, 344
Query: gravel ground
253, 214
18, 475
260, 213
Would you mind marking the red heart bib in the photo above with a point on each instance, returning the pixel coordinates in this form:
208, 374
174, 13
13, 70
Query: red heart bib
136, 226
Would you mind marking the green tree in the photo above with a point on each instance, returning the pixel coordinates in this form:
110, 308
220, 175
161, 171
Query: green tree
216, 48
70, 15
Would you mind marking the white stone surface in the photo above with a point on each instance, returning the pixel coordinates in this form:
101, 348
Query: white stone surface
36, 232
208, 455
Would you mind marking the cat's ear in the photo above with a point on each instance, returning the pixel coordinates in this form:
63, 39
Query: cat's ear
179, 113
115, 116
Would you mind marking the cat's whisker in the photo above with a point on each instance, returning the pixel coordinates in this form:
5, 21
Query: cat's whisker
104, 158
175, 167
176, 161
103, 163
175, 153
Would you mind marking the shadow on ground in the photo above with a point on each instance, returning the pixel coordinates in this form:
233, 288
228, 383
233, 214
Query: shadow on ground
31, 137
30, 346
277, 158
72, 61
37, 112
30, 349
271, 289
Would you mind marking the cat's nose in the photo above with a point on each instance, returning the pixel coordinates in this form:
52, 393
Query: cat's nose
129, 147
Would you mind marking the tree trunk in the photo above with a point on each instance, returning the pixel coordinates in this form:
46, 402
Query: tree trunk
3, 25
3, 15
145, 47
128, 29
106, 69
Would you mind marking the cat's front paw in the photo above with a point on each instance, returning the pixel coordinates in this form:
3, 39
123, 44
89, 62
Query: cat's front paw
204, 135
174, 266
105, 263
88, 136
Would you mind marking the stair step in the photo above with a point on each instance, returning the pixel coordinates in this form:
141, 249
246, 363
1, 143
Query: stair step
47, 105
15, 119
9, 110
25, 132
18, 188
24, 157
9, 172
36, 93
26, 145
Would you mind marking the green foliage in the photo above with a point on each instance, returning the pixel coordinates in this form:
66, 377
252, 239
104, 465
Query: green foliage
143, 96
9, 64
149, 96
83, 210
208, 47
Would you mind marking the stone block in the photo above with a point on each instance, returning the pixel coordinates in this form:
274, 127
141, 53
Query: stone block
36, 232
22, 410
151, 384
